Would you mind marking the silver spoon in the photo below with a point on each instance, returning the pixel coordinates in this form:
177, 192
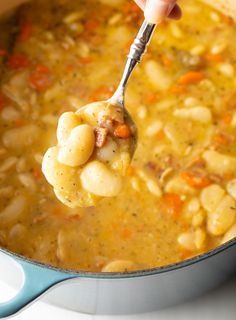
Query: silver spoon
137, 50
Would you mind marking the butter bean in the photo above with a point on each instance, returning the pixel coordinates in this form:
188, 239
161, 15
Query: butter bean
222, 218
66, 123
118, 266
99, 180
79, 146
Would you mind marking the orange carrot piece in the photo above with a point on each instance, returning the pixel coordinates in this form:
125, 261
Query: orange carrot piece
227, 118
227, 19
221, 139
25, 31
37, 173
194, 180
191, 77
18, 61
91, 25
178, 89
102, 93
85, 60
40, 79
210, 57
172, 204
165, 60
122, 131
151, 98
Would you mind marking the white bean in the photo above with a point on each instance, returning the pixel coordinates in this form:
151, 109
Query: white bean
99, 180
118, 266
108, 151
211, 196
154, 128
199, 114
230, 234
89, 113
78, 147
8, 164
186, 240
121, 163
10, 114
20, 138
157, 76
222, 218
27, 181
198, 218
74, 197
178, 185
66, 123
219, 163
231, 188
13, 211
59, 175
226, 69
199, 238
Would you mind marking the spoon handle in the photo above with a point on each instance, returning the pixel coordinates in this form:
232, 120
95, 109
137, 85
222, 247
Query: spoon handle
137, 50
140, 43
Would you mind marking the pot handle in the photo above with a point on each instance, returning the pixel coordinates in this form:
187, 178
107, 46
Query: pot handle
37, 280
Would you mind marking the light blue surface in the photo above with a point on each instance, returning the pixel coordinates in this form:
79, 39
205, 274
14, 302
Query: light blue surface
37, 280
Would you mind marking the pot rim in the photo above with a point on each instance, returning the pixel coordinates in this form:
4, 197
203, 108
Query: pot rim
128, 274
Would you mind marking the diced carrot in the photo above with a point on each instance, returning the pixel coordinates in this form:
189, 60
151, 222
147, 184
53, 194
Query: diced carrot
85, 60
91, 25
227, 19
161, 135
191, 77
221, 139
227, 118
102, 93
210, 57
125, 233
195, 180
230, 101
151, 98
122, 131
37, 172
172, 204
3, 52
179, 89
165, 60
40, 79
18, 61
25, 31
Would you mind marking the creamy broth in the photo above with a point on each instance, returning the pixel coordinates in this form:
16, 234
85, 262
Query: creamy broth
178, 198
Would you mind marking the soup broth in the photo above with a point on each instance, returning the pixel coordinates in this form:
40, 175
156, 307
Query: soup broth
179, 197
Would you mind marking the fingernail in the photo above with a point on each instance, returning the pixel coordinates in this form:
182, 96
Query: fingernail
156, 10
